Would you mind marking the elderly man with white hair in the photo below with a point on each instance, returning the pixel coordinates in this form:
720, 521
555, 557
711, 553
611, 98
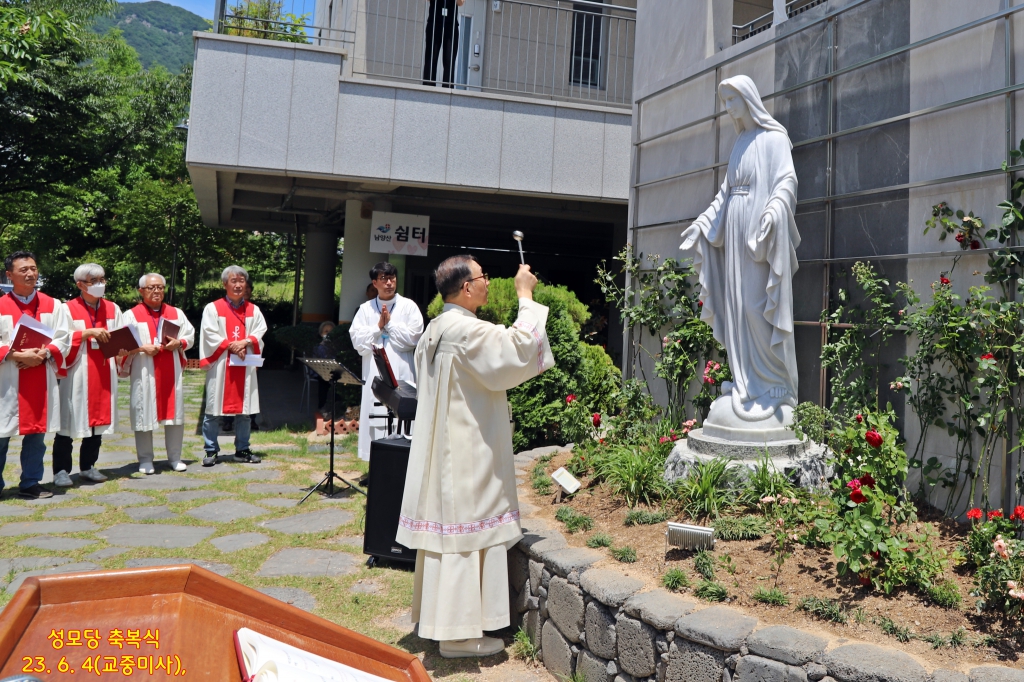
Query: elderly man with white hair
232, 327
155, 370
88, 391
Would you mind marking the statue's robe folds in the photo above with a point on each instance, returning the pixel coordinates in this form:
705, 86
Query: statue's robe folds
460, 510
746, 282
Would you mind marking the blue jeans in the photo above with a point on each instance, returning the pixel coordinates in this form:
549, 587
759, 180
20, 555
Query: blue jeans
211, 429
32, 450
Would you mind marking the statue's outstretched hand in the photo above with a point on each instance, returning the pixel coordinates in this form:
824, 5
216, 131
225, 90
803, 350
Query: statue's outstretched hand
766, 226
690, 236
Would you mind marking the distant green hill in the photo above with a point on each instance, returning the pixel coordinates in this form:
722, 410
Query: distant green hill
160, 33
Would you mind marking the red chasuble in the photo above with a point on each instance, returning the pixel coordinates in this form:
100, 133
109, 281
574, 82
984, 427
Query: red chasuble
99, 366
32, 391
235, 320
163, 362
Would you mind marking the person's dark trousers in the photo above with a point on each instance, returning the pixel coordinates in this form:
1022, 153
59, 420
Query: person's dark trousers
88, 453
442, 38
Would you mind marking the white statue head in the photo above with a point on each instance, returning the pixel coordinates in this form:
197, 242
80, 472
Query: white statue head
743, 104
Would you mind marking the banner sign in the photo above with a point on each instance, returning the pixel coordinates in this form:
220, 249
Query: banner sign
399, 233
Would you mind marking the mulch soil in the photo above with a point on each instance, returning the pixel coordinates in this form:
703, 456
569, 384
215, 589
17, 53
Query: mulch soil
808, 572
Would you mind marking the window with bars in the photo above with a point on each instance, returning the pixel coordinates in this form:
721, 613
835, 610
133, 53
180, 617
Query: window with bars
587, 52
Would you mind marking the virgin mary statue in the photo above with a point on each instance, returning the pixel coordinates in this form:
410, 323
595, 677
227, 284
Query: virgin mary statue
745, 256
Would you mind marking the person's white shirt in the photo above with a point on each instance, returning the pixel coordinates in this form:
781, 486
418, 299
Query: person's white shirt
399, 338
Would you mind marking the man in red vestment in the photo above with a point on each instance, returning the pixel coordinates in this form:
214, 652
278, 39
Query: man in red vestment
29, 401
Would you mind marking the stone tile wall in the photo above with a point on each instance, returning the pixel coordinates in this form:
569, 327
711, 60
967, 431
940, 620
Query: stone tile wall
598, 623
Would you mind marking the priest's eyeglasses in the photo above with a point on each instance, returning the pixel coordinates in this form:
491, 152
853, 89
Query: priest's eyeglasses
485, 277
154, 287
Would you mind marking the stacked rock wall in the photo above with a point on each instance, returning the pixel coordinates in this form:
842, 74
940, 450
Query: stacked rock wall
598, 624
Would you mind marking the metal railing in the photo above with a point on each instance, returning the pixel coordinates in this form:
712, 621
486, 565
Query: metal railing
292, 21
763, 23
555, 49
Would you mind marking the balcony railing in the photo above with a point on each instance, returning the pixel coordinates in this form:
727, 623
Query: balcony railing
763, 23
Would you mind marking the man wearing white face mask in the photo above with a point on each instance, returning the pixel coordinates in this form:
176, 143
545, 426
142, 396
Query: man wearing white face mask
88, 392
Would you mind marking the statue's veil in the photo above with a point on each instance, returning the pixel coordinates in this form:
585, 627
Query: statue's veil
748, 91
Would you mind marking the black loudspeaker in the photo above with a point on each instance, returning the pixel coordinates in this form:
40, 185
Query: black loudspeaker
389, 459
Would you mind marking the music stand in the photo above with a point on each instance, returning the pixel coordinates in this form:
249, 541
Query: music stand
334, 373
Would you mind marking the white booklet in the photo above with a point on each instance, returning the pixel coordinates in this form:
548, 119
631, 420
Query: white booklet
250, 360
264, 659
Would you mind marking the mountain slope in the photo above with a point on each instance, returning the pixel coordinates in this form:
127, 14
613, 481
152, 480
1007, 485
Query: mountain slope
160, 33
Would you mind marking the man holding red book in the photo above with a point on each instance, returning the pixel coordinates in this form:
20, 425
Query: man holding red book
157, 390
33, 342
88, 391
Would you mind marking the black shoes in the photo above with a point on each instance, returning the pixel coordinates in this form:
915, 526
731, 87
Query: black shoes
35, 492
210, 459
247, 456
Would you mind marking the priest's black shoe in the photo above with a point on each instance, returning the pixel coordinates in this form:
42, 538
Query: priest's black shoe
34, 492
248, 456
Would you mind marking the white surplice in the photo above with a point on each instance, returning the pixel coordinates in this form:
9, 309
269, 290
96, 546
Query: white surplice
141, 368
403, 332
230, 390
460, 509
87, 409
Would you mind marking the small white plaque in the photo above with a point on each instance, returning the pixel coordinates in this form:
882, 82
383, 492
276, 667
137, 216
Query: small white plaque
566, 480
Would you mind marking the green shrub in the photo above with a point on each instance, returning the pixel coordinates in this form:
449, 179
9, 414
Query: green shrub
574, 521
564, 513
704, 564
945, 594
636, 472
772, 596
765, 481
522, 647
598, 540
645, 517
539, 478
706, 490
626, 555
709, 590
675, 579
890, 627
825, 609
740, 528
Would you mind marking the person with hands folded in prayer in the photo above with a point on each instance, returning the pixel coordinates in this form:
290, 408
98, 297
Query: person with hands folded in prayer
88, 391
231, 326
459, 510
29, 394
155, 370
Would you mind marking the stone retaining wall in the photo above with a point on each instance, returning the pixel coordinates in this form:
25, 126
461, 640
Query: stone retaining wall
597, 622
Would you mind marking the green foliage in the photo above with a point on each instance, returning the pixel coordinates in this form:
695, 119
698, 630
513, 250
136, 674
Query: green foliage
626, 555
709, 590
675, 579
983, 533
765, 481
266, 19
522, 647
574, 521
772, 596
636, 472
160, 33
825, 609
598, 540
811, 421
539, 479
704, 564
945, 594
890, 627
740, 528
706, 490
645, 517
999, 582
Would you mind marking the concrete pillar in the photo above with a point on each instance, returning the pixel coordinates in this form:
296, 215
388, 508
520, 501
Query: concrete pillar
355, 266
321, 270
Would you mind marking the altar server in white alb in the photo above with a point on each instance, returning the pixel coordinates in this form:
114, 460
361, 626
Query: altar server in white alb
88, 392
29, 397
394, 322
460, 510
155, 370
231, 327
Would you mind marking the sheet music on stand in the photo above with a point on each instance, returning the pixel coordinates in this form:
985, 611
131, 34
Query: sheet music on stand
324, 367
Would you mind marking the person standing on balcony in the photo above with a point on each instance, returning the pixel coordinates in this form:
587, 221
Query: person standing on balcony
442, 37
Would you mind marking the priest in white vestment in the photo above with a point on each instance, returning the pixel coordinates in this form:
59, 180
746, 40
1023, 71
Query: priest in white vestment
394, 322
232, 328
460, 510
88, 389
155, 370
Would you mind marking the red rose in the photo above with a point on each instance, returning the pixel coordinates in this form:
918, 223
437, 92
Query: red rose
859, 418
847, 451
597, 419
864, 580
944, 280
960, 237
857, 496
874, 438
975, 245
995, 513
700, 304
867, 480
974, 514
1018, 514
876, 555
988, 356
570, 398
